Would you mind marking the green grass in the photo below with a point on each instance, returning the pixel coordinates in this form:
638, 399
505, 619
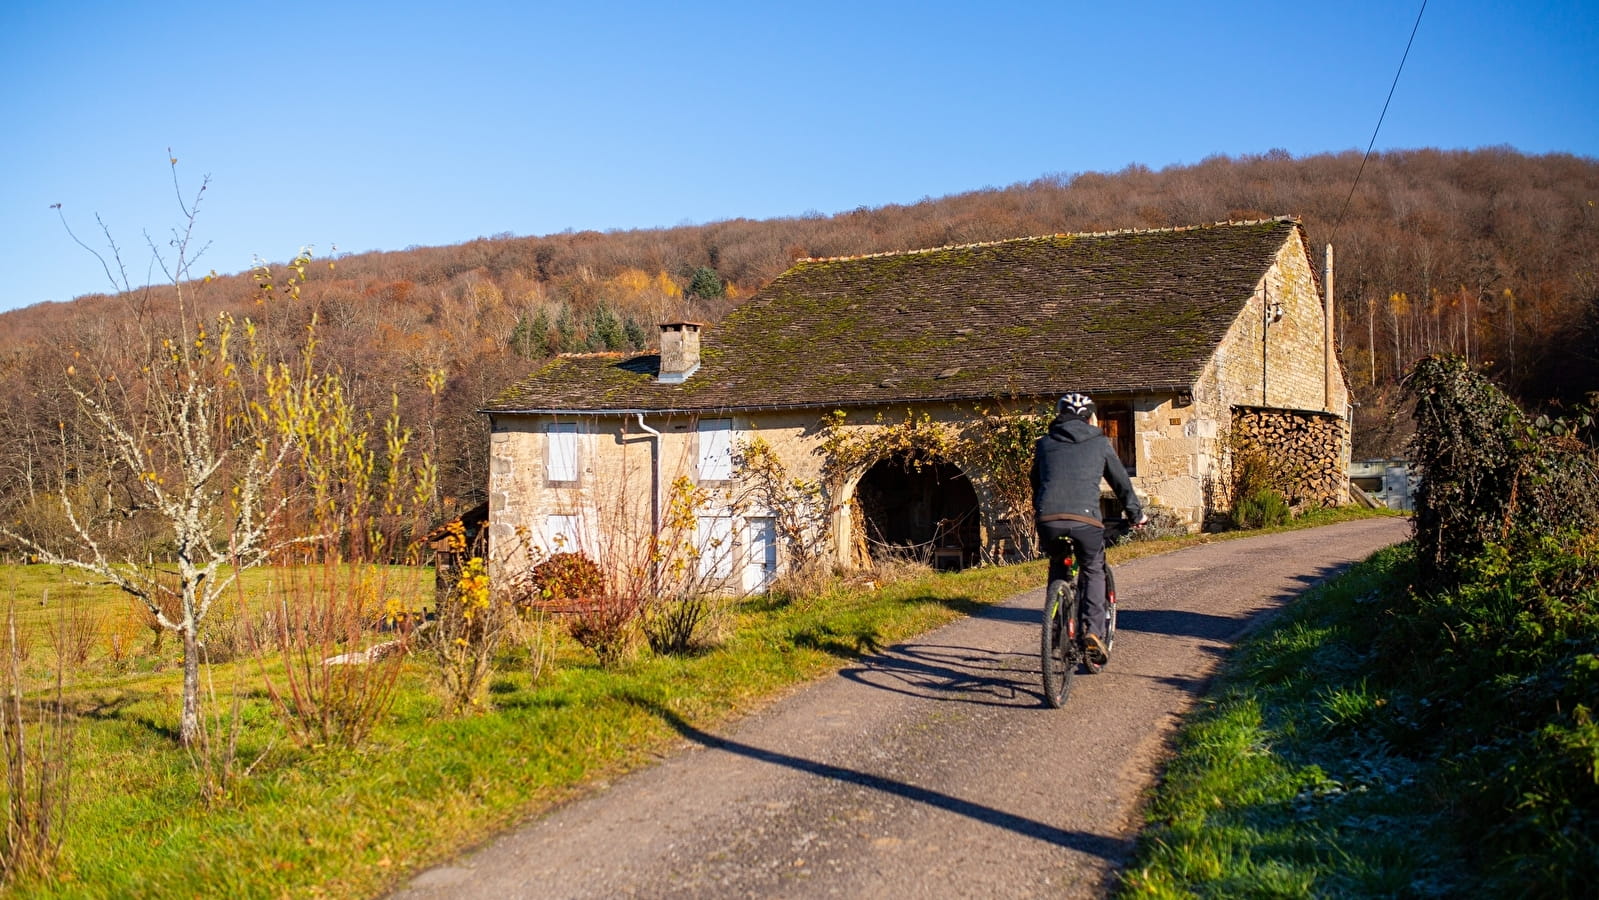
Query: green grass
1280, 786
318, 821
1379, 740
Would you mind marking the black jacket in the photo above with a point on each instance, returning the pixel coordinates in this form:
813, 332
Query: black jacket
1068, 463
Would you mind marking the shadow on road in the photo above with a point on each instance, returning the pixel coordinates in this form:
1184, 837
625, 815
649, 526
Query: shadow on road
1108, 848
984, 677
945, 672
1176, 622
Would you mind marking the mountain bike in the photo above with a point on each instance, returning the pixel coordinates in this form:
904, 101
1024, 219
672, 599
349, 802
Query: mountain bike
1061, 648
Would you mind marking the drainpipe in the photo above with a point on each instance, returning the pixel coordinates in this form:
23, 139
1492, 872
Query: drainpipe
655, 502
1265, 329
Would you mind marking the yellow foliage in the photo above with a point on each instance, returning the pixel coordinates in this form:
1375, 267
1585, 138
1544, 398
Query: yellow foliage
665, 285
631, 282
486, 293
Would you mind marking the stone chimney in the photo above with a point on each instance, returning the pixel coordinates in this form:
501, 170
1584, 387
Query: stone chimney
680, 351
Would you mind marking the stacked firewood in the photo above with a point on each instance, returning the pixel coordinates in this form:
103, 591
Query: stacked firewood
1304, 448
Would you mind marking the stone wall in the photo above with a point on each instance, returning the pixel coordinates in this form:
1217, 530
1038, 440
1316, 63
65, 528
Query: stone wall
612, 498
1178, 443
1266, 364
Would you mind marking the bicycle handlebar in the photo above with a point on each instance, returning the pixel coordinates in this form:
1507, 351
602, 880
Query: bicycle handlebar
1116, 529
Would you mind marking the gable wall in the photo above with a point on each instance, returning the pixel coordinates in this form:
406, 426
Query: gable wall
1294, 363
1294, 347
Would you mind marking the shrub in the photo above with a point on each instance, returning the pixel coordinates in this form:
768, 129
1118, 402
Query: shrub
1487, 470
1258, 488
566, 578
602, 620
685, 623
1262, 509
607, 625
473, 621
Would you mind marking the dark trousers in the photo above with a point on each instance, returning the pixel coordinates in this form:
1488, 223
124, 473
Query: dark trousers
1089, 544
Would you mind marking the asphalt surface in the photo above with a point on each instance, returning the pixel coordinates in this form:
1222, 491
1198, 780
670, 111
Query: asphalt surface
932, 769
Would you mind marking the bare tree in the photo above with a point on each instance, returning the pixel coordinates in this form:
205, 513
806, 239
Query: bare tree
197, 433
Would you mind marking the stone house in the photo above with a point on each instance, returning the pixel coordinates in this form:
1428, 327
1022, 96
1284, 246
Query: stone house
1180, 334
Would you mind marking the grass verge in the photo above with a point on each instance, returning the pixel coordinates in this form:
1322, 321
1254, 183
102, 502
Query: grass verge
1276, 789
1380, 740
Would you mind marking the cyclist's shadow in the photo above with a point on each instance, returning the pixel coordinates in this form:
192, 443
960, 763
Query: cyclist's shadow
955, 673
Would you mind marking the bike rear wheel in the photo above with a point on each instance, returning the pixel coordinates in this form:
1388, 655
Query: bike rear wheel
1058, 644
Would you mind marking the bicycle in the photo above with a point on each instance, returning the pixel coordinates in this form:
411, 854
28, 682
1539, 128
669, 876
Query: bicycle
1063, 618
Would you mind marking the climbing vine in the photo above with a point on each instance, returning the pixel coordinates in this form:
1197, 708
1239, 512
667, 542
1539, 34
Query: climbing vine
993, 448
918, 439
1000, 447
798, 506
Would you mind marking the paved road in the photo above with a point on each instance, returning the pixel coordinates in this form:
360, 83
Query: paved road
930, 770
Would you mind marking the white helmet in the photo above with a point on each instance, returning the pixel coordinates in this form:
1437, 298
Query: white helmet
1075, 404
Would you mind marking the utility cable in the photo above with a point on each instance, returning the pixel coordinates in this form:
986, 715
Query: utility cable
1373, 143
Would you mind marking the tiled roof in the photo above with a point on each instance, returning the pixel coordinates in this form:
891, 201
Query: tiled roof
1031, 317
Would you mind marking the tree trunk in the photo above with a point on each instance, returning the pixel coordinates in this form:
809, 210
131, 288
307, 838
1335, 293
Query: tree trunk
189, 723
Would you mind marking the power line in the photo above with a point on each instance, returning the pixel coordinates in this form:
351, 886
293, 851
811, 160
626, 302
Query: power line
1373, 143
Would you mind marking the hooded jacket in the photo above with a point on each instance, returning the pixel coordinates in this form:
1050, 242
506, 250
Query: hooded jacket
1068, 463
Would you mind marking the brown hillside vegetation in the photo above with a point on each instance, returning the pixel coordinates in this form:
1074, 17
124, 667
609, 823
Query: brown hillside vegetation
1489, 254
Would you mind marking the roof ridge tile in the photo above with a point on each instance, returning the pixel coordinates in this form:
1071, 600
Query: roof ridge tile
1170, 229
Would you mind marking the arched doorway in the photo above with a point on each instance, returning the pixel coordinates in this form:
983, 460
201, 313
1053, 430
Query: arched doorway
926, 511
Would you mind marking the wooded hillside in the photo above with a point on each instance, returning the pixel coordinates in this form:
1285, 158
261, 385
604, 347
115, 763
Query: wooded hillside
1490, 254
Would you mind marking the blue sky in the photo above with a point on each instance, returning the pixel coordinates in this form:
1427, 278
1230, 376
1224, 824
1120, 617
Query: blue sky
376, 126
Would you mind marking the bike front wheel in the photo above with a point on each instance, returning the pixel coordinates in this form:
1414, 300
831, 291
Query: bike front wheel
1057, 646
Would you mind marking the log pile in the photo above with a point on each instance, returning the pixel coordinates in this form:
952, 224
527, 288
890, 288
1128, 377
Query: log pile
1304, 447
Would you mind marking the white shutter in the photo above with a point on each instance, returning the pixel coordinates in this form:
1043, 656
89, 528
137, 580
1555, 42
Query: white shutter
563, 534
562, 462
714, 540
716, 449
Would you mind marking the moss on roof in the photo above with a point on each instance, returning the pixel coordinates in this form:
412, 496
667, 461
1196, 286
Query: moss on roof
1033, 316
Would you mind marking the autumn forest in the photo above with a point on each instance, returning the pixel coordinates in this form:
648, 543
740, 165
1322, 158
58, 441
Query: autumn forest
1489, 254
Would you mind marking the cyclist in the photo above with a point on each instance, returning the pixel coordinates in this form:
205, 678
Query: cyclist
1068, 464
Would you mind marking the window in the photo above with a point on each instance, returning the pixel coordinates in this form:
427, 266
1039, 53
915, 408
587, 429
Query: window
562, 461
563, 534
714, 541
716, 449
